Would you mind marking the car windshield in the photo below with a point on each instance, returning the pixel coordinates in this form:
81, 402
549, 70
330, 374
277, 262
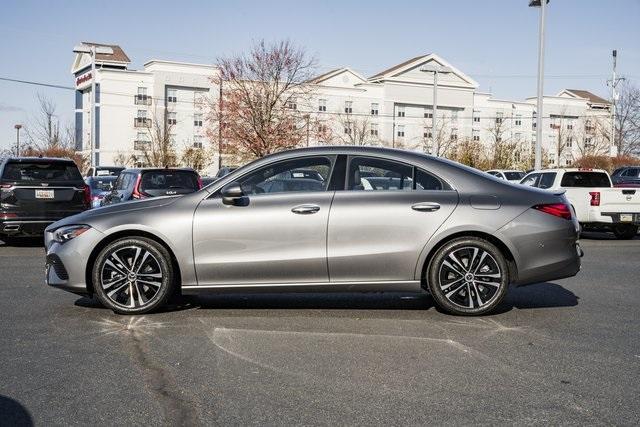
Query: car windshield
514, 176
585, 179
103, 184
160, 180
41, 171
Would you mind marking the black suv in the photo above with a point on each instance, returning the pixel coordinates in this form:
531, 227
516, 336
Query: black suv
626, 175
134, 184
36, 191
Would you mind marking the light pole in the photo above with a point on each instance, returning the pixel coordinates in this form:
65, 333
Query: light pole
18, 127
435, 69
92, 50
542, 5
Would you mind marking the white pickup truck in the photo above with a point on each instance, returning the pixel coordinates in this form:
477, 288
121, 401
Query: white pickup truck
596, 203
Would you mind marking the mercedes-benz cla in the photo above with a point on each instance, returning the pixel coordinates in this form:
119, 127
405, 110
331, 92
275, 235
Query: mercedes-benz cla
371, 219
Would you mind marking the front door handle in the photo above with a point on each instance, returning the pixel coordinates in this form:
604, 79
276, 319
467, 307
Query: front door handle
426, 207
305, 209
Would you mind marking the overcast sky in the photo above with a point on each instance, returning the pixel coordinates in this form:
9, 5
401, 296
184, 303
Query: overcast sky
494, 41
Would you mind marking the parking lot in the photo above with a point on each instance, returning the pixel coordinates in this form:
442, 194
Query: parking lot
562, 352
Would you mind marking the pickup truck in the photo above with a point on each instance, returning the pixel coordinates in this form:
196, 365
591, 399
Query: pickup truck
598, 205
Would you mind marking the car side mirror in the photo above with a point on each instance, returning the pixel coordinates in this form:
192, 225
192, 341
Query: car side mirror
232, 194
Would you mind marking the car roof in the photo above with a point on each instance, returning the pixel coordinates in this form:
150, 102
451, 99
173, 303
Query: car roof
138, 170
37, 159
568, 170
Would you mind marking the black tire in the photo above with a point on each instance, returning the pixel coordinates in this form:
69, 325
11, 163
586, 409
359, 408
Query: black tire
468, 276
625, 231
133, 276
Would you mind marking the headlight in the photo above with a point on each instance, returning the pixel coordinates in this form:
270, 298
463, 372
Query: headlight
68, 232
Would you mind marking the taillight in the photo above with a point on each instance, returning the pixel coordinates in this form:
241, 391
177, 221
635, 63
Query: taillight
8, 215
595, 198
556, 209
86, 196
137, 194
199, 183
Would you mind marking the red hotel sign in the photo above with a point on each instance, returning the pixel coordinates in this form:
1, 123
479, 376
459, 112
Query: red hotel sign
83, 78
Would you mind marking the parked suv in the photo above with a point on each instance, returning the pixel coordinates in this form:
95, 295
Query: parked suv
34, 192
626, 175
105, 171
133, 184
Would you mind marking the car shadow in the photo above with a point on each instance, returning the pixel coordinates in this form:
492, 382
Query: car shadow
12, 413
602, 235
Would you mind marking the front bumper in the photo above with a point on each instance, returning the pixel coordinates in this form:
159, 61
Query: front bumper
66, 263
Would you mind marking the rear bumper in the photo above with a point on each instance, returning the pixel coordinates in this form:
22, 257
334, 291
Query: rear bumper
545, 247
23, 225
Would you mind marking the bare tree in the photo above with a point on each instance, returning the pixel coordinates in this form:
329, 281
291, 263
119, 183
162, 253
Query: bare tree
595, 140
627, 120
443, 141
197, 158
159, 149
261, 90
43, 131
355, 130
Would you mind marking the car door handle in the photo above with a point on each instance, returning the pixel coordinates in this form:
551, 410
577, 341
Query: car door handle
426, 207
305, 209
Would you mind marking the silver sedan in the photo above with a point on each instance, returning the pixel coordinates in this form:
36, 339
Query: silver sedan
323, 219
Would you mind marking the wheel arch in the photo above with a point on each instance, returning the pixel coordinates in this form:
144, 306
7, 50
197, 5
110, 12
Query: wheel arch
506, 251
125, 234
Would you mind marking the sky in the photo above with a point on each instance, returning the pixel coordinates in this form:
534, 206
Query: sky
493, 41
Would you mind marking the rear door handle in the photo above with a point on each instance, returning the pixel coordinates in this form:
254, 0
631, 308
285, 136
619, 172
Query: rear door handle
426, 207
305, 209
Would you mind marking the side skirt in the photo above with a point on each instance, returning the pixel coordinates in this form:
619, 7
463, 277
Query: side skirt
388, 286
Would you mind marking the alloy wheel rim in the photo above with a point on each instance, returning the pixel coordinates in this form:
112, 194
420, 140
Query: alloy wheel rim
131, 277
470, 277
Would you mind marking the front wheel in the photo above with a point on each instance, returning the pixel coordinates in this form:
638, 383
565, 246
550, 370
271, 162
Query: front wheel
133, 276
625, 231
468, 276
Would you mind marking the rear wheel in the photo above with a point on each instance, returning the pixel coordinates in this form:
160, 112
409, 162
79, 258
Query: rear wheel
133, 276
625, 231
468, 276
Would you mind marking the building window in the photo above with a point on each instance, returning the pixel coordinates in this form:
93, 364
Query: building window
142, 142
401, 111
426, 132
588, 142
374, 109
518, 120
569, 142
292, 104
172, 118
454, 134
499, 115
374, 129
347, 130
197, 141
197, 119
476, 119
348, 107
475, 135
427, 113
322, 105
172, 95
141, 97
401, 131
322, 128
141, 119
454, 116
517, 136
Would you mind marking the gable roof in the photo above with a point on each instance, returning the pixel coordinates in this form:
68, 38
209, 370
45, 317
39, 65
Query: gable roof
579, 93
335, 72
417, 61
118, 54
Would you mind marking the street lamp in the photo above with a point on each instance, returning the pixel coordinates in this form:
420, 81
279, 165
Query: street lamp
92, 50
435, 69
542, 5
18, 127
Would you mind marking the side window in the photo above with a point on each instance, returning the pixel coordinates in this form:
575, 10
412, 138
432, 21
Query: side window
426, 181
119, 182
531, 180
303, 174
547, 179
370, 174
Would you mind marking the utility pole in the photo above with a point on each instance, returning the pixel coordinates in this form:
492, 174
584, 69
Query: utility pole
539, 114
18, 127
435, 69
614, 97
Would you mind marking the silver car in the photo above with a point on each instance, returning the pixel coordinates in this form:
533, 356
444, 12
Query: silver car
372, 219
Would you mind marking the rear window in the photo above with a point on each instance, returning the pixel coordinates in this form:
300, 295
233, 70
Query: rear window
161, 180
513, 176
585, 179
103, 184
101, 171
41, 171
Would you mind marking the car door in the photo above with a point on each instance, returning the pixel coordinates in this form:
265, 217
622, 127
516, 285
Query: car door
383, 219
276, 234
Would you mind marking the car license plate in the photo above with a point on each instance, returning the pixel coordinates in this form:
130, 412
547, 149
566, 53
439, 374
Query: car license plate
626, 217
44, 194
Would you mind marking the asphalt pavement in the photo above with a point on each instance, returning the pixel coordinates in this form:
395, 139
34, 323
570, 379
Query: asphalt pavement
566, 352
